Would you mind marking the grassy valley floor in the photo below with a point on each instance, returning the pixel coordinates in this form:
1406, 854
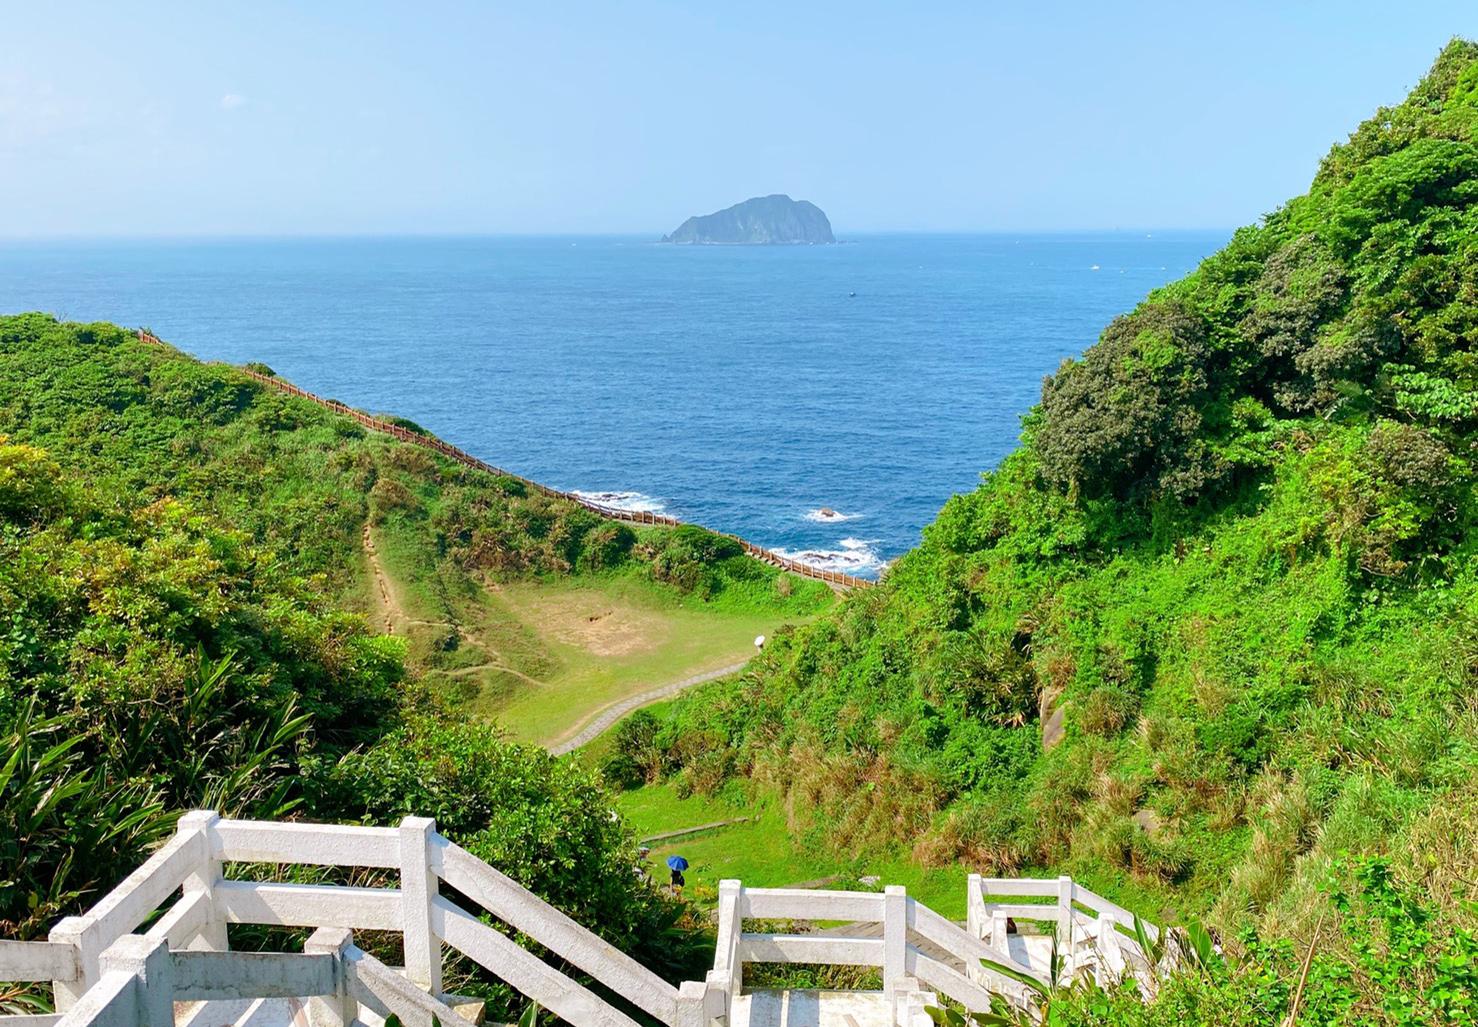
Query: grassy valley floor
545, 656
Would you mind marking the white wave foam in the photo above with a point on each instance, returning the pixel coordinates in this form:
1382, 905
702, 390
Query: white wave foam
856, 556
635, 502
826, 515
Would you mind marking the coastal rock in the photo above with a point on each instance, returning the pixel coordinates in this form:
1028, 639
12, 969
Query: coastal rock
764, 220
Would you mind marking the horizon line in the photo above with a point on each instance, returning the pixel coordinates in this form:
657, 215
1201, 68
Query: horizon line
655, 238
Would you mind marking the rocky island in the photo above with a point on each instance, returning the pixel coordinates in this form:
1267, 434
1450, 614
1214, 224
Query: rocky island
764, 220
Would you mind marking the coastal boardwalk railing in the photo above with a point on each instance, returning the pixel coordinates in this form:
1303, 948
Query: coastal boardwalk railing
155, 950
769, 556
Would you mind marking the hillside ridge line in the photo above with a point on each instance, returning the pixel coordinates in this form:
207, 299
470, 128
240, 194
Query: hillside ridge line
836, 579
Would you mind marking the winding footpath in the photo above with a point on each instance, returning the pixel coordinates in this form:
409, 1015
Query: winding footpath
607, 716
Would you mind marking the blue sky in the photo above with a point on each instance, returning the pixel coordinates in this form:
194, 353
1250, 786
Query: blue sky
276, 118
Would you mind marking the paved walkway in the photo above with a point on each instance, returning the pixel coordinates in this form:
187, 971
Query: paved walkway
614, 712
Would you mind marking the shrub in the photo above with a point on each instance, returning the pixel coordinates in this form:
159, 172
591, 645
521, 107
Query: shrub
1406, 456
689, 557
635, 758
389, 495
1123, 420
1105, 711
544, 822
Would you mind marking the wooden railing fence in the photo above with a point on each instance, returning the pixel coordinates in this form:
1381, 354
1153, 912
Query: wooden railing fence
769, 556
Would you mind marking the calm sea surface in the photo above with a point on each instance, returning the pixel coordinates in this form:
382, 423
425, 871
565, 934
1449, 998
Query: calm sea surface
747, 389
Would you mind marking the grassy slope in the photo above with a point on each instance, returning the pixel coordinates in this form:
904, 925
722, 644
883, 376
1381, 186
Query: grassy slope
1236, 550
461, 548
763, 853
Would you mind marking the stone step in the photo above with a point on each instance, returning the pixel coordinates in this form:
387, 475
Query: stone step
286, 1012
255, 1012
804, 1008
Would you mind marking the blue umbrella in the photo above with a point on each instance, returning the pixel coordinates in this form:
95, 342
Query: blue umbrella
677, 863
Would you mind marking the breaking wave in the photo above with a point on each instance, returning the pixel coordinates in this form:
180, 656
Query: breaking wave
857, 556
636, 502
826, 515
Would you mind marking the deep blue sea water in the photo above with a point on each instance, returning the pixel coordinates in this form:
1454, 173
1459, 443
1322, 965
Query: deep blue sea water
745, 388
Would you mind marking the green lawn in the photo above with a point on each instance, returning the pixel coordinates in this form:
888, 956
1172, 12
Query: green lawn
610, 637
762, 854
542, 656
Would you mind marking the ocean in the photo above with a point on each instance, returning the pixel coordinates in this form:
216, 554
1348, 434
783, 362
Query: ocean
823, 401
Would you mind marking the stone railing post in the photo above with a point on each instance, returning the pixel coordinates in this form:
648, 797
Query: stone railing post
148, 961
77, 932
339, 1009
1065, 918
728, 971
907, 1002
418, 886
976, 921
691, 1004
1110, 958
996, 933
895, 942
212, 934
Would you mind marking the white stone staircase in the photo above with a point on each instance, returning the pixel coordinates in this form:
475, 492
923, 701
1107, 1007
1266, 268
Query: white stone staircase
155, 951
800, 1008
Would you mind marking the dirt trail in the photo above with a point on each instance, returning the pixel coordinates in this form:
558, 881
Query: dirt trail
608, 715
396, 620
390, 610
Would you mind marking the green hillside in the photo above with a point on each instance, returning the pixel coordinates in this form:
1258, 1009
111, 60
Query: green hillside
421, 545
185, 621
1215, 622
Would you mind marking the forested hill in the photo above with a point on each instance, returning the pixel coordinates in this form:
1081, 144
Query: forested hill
1216, 619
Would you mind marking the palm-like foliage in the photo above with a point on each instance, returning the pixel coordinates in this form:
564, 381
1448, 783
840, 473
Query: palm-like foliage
81, 798
63, 822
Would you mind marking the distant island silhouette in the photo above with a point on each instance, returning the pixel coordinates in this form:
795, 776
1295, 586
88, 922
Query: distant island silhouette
761, 221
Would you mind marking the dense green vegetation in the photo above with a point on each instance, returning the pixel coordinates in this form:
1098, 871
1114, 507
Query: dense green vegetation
1208, 639
152, 661
302, 481
178, 545
146, 422
1215, 622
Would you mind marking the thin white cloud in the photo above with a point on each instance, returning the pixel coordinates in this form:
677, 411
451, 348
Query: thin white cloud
231, 101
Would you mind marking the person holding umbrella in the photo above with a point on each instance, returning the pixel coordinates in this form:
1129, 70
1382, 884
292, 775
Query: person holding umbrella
677, 865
